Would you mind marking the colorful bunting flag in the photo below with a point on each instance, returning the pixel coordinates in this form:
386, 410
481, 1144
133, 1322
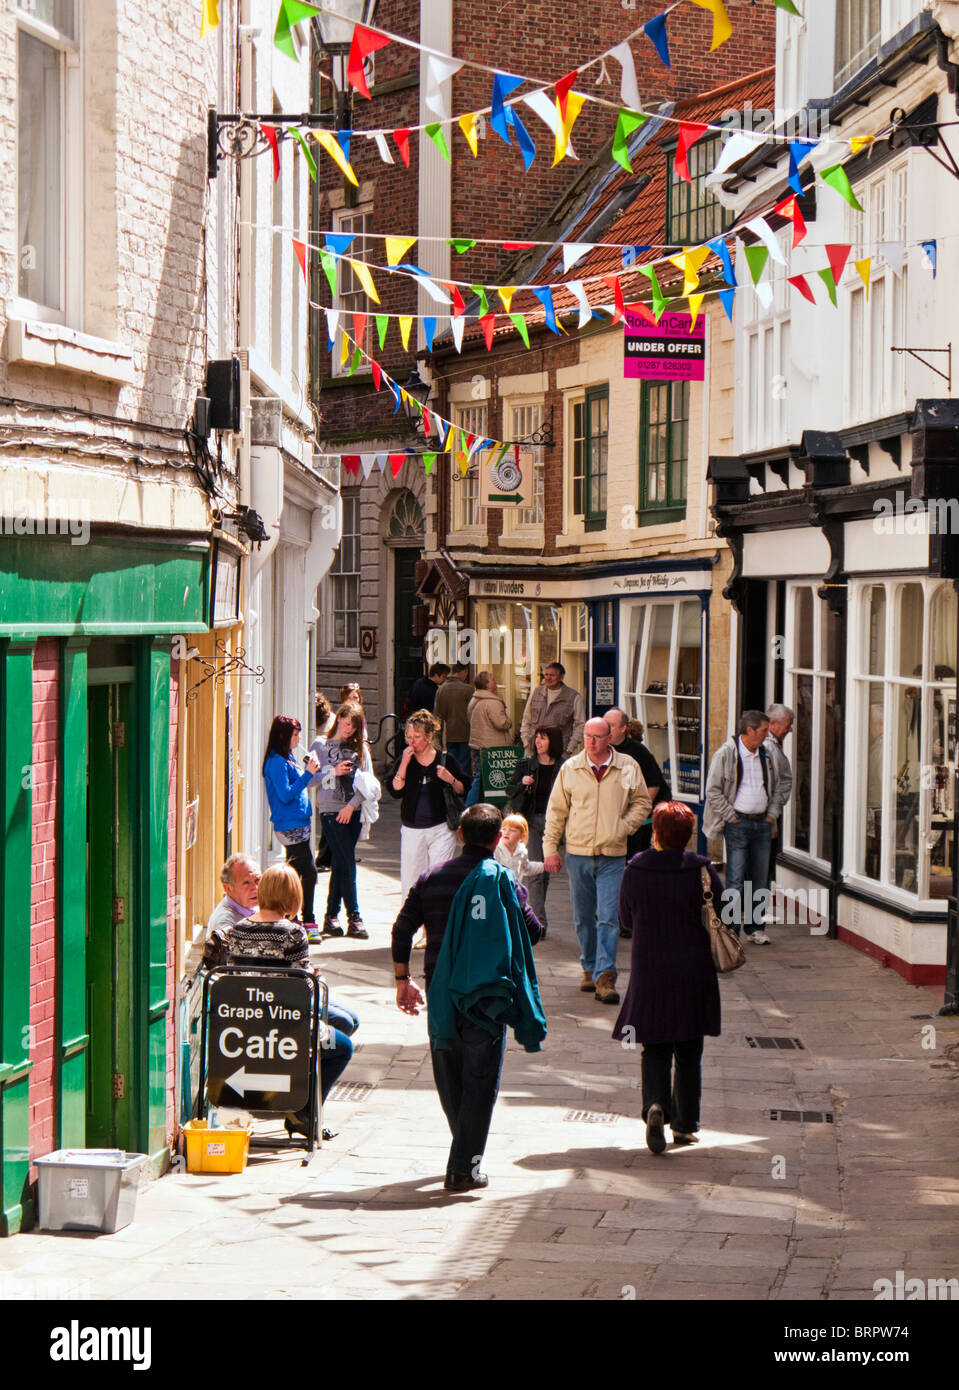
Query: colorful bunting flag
798, 149
406, 324
718, 245
429, 329
362, 273
894, 254
435, 132
638, 307
382, 148
488, 325
308, 153
350, 464
837, 178
726, 298
659, 299
343, 138
299, 251
695, 304
428, 462
930, 252
209, 17
737, 147
503, 84
631, 254
788, 6
506, 293
518, 245
467, 125
761, 228
764, 293
838, 256
520, 325
628, 122
359, 329
689, 263
859, 142
548, 112
377, 371
756, 258
396, 463
329, 270
576, 289
828, 280
439, 71
480, 293
291, 12
402, 139
574, 104
382, 322
332, 319
864, 268
366, 463
689, 133
397, 247
721, 25
789, 209
458, 324
802, 285
461, 244
655, 31
619, 307
545, 297
364, 43
327, 141
339, 242
269, 132
523, 137
628, 89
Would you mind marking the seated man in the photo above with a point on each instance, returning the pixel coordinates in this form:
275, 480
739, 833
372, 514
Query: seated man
239, 877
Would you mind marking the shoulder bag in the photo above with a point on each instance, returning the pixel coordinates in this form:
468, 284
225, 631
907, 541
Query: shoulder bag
454, 803
726, 947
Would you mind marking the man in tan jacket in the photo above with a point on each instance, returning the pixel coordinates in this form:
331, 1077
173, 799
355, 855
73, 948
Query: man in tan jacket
599, 798
490, 725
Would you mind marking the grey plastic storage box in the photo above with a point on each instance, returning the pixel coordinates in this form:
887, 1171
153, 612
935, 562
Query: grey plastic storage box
89, 1189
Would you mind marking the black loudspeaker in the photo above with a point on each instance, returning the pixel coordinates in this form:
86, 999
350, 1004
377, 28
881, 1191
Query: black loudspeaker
223, 390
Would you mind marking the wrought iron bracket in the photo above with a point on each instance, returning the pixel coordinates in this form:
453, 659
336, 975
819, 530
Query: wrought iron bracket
926, 135
240, 137
232, 663
914, 352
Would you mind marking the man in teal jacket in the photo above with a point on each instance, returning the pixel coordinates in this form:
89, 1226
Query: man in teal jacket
483, 979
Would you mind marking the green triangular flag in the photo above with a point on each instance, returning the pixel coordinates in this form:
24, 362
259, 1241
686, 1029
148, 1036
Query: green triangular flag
788, 6
756, 257
838, 179
829, 281
357, 359
501, 455
484, 302
310, 160
659, 299
382, 324
428, 461
461, 244
291, 12
520, 325
627, 123
435, 132
328, 263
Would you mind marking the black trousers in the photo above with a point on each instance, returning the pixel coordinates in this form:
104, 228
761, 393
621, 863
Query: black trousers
467, 1078
678, 1094
300, 857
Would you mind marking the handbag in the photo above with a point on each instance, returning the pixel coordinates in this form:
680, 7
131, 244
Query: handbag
726, 947
454, 803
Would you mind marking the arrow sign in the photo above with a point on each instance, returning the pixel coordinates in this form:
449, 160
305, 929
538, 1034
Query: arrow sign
505, 497
242, 1081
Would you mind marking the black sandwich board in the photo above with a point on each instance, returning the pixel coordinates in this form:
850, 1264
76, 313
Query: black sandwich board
260, 1041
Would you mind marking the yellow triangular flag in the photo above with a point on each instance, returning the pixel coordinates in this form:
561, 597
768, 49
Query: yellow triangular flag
406, 323
859, 142
450, 439
865, 270
397, 247
464, 464
328, 141
695, 304
344, 350
721, 25
467, 125
689, 262
506, 295
362, 273
209, 17
574, 104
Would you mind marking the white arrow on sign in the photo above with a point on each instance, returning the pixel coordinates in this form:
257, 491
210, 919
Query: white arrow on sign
242, 1081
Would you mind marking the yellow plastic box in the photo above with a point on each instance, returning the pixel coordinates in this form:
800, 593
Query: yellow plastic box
216, 1150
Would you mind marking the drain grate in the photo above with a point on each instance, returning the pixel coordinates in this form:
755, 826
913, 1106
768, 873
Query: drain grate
350, 1091
783, 1044
589, 1117
805, 1117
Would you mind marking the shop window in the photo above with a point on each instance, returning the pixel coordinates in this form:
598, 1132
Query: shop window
810, 691
904, 742
520, 521
590, 455
352, 298
467, 512
664, 451
693, 212
342, 585
661, 679
857, 37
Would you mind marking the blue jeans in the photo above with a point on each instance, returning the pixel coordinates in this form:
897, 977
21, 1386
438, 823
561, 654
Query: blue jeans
594, 881
460, 753
467, 1078
747, 863
473, 795
335, 1055
341, 840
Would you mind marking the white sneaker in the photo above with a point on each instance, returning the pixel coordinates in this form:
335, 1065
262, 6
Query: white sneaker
759, 938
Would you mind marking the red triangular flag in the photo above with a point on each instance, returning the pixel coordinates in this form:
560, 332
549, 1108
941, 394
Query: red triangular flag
299, 251
838, 256
562, 91
800, 282
351, 463
488, 324
364, 43
689, 133
377, 371
789, 209
640, 308
402, 138
396, 463
518, 245
619, 308
426, 423
270, 132
359, 329
458, 305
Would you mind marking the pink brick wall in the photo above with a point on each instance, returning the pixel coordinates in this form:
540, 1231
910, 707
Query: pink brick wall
46, 788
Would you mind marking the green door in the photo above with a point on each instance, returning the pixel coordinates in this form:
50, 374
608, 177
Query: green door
111, 916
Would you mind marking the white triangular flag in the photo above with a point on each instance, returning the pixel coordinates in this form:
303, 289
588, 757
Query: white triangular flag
735, 148
381, 145
546, 110
366, 463
381, 460
573, 251
433, 290
332, 323
764, 293
628, 91
894, 254
575, 287
768, 237
458, 324
438, 71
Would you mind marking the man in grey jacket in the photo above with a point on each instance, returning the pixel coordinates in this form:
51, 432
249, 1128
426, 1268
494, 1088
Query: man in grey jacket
780, 723
743, 801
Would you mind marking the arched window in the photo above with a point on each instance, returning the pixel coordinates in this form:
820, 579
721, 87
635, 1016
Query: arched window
406, 518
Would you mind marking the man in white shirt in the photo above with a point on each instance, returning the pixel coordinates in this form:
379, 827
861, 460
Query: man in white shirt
743, 802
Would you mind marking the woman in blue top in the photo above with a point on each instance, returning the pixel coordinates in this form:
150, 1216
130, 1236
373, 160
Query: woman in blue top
290, 809
338, 803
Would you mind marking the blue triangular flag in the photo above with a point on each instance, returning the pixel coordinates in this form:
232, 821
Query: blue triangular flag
930, 249
633, 253
429, 329
545, 297
394, 387
527, 148
503, 84
798, 149
726, 298
343, 140
655, 31
718, 244
339, 242
413, 269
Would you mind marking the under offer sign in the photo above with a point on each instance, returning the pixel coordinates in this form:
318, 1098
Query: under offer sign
665, 351
258, 1051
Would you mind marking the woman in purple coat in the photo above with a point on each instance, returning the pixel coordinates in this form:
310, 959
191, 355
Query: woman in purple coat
673, 997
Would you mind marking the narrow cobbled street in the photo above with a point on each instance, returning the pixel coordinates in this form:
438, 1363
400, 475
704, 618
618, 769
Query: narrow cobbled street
768, 1206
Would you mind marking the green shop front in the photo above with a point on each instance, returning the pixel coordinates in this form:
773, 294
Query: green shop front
87, 788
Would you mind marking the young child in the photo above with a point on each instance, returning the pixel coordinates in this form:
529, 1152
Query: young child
512, 851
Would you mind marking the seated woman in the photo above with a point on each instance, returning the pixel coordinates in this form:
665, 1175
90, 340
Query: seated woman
272, 936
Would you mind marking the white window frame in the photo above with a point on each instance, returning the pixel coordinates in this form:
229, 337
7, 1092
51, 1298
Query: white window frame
817, 854
468, 519
875, 376
329, 582
765, 357
71, 181
858, 703
353, 301
856, 15
520, 523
